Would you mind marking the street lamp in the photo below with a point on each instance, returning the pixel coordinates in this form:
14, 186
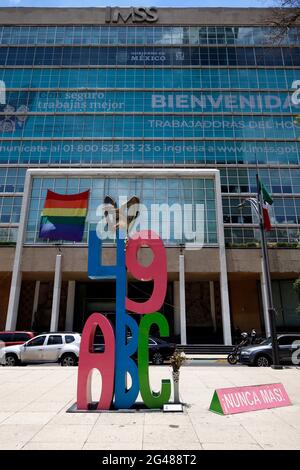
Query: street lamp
256, 204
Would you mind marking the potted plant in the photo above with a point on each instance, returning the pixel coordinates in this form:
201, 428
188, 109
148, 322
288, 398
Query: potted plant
176, 360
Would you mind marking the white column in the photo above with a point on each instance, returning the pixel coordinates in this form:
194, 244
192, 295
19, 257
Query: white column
264, 296
212, 304
56, 294
70, 306
182, 299
176, 308
223, 265
13, 303
225, 306
35, 300
16, 280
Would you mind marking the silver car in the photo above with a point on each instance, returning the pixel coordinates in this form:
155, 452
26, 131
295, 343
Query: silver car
260, 355
48, 347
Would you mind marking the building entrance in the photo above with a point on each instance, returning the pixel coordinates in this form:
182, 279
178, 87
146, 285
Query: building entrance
203, 313
99, 296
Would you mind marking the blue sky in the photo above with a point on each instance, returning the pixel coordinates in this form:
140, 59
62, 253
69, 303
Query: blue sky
158, 3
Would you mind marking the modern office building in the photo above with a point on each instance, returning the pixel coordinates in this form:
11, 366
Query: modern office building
136, 102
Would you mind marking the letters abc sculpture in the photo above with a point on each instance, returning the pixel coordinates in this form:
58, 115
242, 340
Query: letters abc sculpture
129, 338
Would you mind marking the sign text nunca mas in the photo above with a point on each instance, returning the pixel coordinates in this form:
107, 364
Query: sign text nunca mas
131, 15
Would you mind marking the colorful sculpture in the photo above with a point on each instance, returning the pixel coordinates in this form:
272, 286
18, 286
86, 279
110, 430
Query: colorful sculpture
119, 349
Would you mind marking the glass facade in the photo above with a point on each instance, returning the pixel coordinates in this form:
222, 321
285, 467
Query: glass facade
153, 193
165, 96
161, 56
151, 78
114, 35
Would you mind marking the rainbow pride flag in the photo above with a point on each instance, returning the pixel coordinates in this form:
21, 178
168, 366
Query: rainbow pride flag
63, 216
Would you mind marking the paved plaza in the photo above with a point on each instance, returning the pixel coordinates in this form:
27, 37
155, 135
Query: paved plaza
34, 400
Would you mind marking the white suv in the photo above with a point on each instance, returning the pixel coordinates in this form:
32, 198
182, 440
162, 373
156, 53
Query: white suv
48, 347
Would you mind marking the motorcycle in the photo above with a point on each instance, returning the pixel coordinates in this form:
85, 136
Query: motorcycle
232, 358
246, 341
254, 339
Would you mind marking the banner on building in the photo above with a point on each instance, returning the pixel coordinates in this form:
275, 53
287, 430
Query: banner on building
63, 216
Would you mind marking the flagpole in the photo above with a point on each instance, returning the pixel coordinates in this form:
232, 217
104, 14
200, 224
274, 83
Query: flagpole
266, 264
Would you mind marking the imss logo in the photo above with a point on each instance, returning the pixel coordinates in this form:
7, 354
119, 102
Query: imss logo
133, 15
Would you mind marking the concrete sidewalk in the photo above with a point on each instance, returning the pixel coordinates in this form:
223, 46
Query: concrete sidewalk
34, 400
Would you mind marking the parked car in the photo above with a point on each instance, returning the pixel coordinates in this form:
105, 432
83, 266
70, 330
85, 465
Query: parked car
48, 347
10, 338
159, 350
261, 355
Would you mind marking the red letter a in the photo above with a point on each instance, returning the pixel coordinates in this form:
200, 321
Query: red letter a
103, 362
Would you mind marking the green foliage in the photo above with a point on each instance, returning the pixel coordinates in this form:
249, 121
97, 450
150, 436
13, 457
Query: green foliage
286, 245
296, 286
254, 244
242, 245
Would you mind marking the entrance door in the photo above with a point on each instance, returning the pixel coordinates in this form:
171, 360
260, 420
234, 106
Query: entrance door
100, 296
105, 306
202, 313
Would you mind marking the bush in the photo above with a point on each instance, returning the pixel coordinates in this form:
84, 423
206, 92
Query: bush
242, 245
286, 245
296, 285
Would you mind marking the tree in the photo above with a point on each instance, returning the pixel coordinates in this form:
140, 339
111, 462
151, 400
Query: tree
285, 14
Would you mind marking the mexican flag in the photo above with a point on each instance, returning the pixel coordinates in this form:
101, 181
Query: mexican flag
267, 200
